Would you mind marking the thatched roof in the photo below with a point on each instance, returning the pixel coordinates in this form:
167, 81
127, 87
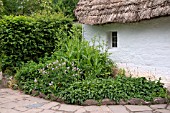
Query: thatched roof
120, 11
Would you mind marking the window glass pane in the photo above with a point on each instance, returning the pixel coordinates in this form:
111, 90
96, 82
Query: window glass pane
114, 39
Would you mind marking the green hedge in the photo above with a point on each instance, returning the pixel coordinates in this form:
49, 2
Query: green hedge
29, 38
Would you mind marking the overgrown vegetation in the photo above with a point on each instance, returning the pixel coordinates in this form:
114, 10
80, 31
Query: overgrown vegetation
78, 71
29, 38
74, 61
121, 87
32, 7
49, 57
67, 7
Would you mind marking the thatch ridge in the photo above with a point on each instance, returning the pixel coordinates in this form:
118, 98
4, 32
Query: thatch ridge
120, 11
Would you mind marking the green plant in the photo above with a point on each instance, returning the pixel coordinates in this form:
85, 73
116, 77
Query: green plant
121, 87
74, 60
90, 59
66, 7
29, 38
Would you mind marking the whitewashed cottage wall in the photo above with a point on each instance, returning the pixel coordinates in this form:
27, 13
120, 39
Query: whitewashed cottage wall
143, 47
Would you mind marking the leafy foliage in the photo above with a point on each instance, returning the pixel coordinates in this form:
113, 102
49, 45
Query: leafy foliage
75, 61
32, 7
29, 38
66, 6
1, 7
121, 87
27, 7
77, 72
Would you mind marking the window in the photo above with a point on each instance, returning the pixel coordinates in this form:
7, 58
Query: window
113, 39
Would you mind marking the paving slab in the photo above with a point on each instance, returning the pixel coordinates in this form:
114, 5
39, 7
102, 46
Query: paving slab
33, 111
3, 110
12, 101
135, 108
65, 107
158, 106
48, 111
32, 106
118, 109
105, 108
162, 111
55, 108
168, 107
49, 105
81, 110
99, 112
144, 112
93, 108
38, 100
22, 109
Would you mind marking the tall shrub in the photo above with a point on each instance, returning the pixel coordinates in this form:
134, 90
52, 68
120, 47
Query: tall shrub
66, 6
29, 38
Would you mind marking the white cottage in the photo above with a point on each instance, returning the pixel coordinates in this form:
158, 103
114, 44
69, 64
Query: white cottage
137, 33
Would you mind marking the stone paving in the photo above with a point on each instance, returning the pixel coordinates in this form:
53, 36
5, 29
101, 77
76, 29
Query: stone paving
12, 101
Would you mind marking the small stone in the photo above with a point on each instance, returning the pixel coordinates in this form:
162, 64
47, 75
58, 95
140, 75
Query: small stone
90, 102
147, 103
41, 95
60, 100
122, 102
159, 100
136, 101
34, 93
108, 102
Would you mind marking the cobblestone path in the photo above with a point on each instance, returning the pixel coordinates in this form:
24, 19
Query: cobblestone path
12, 101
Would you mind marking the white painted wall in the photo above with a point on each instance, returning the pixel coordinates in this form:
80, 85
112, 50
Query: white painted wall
143, 48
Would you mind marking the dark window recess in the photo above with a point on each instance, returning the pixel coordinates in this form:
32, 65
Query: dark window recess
114, 39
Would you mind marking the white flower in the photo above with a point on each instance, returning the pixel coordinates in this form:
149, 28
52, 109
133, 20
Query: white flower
52, 68
72, 64
64, 63
65, 71
74, 68
44, 72
51, 83
35, 80
68, 68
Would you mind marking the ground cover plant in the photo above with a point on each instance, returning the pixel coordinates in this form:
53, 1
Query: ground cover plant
77, 72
